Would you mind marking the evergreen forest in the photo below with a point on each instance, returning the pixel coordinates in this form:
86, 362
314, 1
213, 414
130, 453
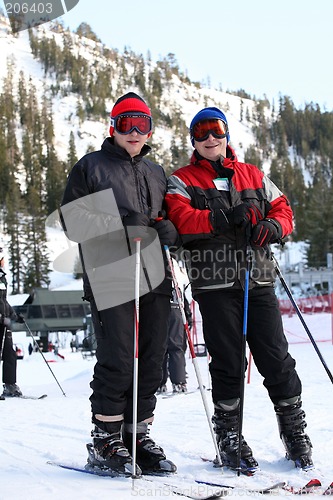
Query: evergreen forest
296, 143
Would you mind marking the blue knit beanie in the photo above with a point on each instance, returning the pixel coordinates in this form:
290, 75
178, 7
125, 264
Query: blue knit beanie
207, 114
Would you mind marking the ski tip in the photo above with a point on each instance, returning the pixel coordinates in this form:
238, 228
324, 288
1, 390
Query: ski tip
313, 482
311, 486
329, 490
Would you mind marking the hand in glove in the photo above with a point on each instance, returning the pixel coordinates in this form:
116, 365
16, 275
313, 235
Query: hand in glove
136, 219
265, 232
6, 321
20, 318
239, 216
167, 232
136, 225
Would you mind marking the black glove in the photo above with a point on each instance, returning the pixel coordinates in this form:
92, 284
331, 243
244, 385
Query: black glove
166, 231
20, 318
6, 321
240, 216
136, 219
265, 232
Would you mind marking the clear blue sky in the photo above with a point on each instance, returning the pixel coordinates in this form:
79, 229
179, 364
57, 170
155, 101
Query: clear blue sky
262, 46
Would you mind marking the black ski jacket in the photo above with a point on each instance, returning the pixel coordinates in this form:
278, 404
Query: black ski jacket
138, 185
6, 310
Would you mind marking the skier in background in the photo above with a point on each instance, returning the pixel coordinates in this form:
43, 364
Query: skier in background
174, 365
8, 353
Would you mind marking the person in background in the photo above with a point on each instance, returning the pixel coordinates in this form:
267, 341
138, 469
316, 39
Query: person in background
139, 187
174, 365
8, 353
227, 212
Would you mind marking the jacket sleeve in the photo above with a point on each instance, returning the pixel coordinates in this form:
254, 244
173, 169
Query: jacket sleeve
279, 207
191, 223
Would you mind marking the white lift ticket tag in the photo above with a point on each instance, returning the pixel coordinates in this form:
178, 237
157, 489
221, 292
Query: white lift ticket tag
221, 183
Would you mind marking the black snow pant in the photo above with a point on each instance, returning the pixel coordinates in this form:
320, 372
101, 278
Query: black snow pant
112, 382
8, 357
174, 361
222, 316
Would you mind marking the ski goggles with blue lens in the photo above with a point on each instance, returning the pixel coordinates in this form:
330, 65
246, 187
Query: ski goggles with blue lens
125, 124
201, 130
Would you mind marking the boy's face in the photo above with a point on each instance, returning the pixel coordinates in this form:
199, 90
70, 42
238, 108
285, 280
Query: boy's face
132, 142
212, 148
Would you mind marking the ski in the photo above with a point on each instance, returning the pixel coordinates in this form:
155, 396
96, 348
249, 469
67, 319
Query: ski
33, 397
168, 395
186, 488
250, 471
24, 397
329, 490
312, 486
263, 490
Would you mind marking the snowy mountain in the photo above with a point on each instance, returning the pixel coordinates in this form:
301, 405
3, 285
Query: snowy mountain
177, 95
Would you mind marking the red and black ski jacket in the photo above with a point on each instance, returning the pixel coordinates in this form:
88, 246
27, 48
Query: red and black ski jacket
218, 260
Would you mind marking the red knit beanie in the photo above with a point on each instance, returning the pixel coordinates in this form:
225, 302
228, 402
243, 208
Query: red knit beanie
129, 103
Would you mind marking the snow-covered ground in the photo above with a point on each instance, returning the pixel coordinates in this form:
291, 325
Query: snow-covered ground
58, 427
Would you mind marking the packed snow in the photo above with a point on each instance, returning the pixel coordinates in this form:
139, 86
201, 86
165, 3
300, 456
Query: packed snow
58, 427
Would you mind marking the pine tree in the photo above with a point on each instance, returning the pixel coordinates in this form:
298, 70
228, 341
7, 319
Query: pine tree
35, 247
15, 210
55, 181
72, 156
319, 223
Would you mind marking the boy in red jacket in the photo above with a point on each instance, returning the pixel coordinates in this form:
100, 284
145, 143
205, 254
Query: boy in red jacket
221, 208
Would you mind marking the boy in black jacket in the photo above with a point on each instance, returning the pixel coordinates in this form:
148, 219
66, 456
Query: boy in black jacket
112, 196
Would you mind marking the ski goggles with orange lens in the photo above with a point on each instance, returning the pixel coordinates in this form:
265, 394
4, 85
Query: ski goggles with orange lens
201, 130
125, 124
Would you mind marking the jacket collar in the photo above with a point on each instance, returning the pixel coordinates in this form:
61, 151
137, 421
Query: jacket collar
227, 162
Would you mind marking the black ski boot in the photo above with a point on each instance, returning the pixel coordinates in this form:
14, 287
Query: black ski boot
291, 423
226, 426
149, 456
179, 388
11, 391
108, 451
162, 389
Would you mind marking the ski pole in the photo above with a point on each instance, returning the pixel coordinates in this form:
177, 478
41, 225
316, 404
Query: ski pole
243, 357
136, 355
295, 306
39, 349
191, 348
